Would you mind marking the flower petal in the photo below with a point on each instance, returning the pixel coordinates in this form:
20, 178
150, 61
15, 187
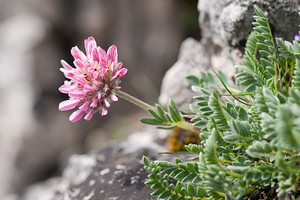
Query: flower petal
106, 103
95, 55
119, 66
89, 115
64, 89
95, 75
86, 43
66, 65
113, 97
76, 115
103, 57
77, 54
104, 111
112, 53
94, 103
85, 106
68, 104
122, 72
91, 45
76, 93
88, 88
78, 63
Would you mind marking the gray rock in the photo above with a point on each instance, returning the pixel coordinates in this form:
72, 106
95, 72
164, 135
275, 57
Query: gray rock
228, 23
114, 172
192, 58
17, 94
225, 26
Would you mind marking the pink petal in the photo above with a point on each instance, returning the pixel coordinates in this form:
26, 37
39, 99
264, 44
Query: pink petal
88, 88
113, 97
86, 43
103, 57
68, 104
89, 115
77, 54
85, 106
122, 72
63, 70
112, 53
106, 103
91, 45
105, 89
99, 54
76, 115
94, 103
80, 82
104, 71
95, 55
95, 75
76, 93
69, 75
104, 111
78, 63
64, 89
119, 66
66, 65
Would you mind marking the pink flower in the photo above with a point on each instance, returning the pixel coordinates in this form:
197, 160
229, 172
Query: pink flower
93, 80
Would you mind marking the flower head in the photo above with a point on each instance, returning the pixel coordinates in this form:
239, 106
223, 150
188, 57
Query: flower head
297, 37
93, 80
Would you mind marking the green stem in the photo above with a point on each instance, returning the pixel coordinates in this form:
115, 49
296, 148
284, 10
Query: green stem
229, 90
274, 65
243, 94
181, 124
185, 125
134, 100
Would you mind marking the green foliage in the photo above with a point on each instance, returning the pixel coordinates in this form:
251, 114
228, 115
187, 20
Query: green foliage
166, 120
185, 174
250, 131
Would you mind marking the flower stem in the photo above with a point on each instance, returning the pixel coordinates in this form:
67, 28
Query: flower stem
182, 124
186, 125
134, 100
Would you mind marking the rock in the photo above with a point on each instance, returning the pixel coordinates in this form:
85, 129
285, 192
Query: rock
228, 23
114, 172
225, 26
17, 94
189, 62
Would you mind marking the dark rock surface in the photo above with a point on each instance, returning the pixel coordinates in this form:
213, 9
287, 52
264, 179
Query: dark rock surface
113, 173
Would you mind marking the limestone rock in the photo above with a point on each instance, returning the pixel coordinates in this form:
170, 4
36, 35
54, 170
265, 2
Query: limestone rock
192, 57
114, 172
225, 26
228, 23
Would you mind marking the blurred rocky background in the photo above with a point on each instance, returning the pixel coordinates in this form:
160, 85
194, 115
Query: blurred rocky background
36, 139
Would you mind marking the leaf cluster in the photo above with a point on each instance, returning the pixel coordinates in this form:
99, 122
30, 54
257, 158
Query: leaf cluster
250, 131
